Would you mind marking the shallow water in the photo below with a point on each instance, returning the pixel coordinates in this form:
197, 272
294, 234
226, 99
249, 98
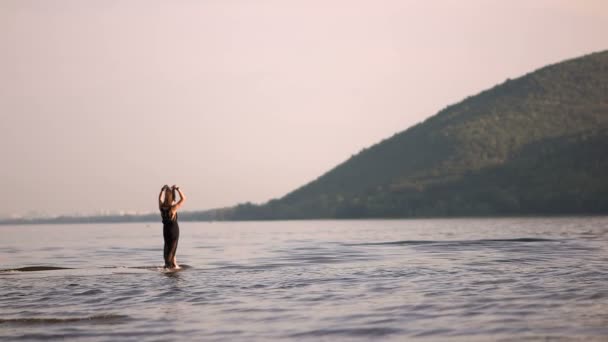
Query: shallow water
461, 279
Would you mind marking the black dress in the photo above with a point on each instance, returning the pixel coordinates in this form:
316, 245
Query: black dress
171, 235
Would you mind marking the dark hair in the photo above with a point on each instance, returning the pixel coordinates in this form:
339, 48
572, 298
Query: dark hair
169, 197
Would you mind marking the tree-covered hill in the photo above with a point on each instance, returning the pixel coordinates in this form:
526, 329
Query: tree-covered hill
534, 145
537, 144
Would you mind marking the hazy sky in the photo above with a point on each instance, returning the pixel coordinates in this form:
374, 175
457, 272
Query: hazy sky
103, 102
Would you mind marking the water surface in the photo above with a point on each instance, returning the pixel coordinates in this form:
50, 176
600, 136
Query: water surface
460, 279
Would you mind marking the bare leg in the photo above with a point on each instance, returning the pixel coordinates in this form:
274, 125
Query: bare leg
174, 259
170, 260
166, 252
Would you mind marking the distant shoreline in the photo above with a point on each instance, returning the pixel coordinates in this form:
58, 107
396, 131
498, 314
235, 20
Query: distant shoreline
153, 218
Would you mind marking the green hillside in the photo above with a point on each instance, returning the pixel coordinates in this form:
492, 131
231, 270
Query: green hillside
537, 144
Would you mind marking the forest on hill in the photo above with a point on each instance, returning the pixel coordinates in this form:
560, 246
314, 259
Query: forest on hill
537, 144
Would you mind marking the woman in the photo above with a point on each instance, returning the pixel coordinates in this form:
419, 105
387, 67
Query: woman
168, 213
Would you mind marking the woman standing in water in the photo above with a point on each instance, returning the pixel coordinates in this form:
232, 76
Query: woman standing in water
168, 213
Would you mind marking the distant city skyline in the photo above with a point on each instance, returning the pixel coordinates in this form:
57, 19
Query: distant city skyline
103, 102
100, 212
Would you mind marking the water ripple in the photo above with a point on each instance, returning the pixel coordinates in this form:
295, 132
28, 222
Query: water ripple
504, 279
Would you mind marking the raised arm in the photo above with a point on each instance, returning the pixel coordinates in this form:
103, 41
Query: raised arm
182, 198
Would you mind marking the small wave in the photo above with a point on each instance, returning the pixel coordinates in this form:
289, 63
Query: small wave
520, 240
354, 332
157, 268
35, 269
56, 268
89, 292
97, 319
459, 242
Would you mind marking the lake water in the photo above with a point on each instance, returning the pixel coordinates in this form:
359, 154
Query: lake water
453, 279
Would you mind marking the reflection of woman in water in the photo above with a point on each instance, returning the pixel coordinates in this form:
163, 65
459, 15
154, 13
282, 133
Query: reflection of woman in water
168, 213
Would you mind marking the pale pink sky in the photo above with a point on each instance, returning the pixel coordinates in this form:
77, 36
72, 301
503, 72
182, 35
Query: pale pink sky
103, 102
